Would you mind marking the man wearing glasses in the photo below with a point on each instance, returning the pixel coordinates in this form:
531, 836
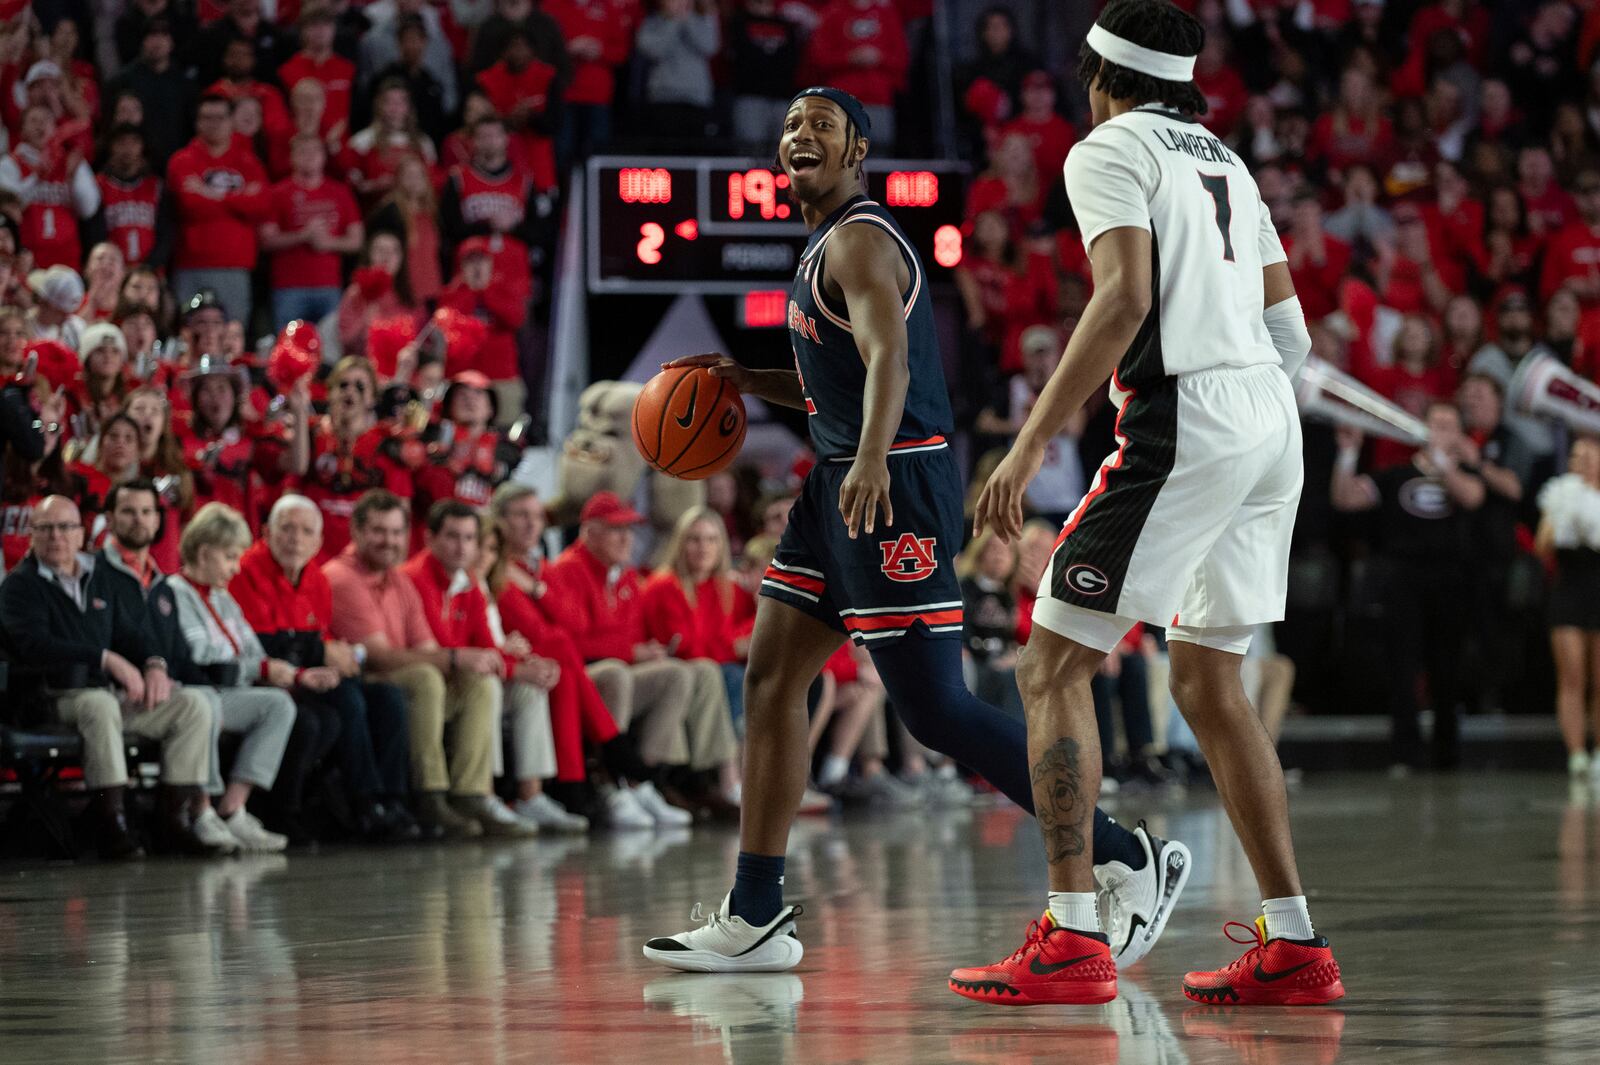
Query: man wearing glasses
352, 452
76, 651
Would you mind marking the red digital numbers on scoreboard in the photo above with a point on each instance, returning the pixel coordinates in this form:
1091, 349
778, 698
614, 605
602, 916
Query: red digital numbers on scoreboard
757, 190
912, 188
765, 308
643, 184
651, 237
947, 246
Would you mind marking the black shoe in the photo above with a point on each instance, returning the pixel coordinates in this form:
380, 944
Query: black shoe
1151, 771
380, 822
175, 826
115, 838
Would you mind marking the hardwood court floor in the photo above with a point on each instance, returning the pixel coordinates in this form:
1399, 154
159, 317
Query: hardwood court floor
1465, 911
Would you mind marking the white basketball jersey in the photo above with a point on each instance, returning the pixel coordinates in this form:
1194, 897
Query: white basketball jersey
1210, 237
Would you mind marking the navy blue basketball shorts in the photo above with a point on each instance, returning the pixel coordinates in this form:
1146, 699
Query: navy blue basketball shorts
883, 584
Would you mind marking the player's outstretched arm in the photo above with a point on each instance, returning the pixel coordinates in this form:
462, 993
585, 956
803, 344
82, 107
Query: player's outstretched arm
864, 261
1121, 301
775, 386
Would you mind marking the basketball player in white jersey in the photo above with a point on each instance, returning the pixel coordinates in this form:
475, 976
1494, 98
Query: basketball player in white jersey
1186, 526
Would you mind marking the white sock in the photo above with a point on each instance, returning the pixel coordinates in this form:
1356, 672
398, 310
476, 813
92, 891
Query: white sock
1288, 918
1074, 910
834, 769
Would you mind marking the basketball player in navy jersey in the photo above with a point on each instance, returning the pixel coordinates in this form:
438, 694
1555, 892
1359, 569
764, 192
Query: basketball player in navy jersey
869, 554
1194, 319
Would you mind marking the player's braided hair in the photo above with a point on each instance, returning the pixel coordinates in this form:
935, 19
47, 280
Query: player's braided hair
1153, 24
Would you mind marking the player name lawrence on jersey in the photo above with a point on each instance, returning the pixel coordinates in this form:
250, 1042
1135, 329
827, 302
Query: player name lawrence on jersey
1210, 237
1202, 146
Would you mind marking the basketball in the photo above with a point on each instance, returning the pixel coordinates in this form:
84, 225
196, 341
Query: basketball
688, 424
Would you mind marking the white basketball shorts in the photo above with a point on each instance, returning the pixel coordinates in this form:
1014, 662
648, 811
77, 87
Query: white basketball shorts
1187, 524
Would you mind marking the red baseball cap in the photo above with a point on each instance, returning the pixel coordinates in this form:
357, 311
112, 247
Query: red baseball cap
473, 246
472, 379
609, 509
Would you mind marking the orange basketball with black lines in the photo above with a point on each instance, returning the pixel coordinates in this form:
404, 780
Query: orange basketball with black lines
688, 424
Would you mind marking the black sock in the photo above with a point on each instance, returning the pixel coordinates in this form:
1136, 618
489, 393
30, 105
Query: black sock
621, 758
923, 675
757, 888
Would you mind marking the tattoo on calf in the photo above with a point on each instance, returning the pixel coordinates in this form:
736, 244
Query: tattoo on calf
1058, 801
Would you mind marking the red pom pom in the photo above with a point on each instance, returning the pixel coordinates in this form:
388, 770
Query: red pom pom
385, 338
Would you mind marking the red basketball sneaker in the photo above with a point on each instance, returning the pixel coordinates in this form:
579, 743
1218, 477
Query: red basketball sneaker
1274, 972
1054, 965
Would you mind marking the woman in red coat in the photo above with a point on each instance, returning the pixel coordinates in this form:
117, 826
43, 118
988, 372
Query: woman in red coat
693, 605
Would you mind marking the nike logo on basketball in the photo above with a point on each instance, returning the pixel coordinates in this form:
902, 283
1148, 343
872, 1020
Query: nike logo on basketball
1267, 978
688, 415
1041, 969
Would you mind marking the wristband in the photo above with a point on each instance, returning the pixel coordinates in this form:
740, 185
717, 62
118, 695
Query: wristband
155, 662
298, 673
265, 672
1347, 460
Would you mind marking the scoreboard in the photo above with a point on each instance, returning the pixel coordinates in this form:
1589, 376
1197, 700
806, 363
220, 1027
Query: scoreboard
728, 225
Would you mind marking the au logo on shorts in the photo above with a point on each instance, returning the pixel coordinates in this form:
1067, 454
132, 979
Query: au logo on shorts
909, 558
1086, 580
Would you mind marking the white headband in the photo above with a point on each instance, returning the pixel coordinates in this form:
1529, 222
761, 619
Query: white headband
1125, 53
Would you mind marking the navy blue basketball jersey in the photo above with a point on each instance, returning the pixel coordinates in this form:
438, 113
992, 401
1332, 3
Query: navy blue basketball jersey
832, 373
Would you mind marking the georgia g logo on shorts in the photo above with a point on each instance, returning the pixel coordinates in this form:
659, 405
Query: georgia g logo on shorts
1086, 580
908, 558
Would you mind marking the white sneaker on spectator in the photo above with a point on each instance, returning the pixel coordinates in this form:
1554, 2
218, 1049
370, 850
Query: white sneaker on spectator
252, 834
889, 790
623, 810
545, 812
210, 829
498, 819
660, 810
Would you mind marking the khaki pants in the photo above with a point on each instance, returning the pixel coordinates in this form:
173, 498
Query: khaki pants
469, 705
709, 724
511, 398
649, 700
681, 709
183, 725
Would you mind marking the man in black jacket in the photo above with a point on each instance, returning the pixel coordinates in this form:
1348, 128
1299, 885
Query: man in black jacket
73, 636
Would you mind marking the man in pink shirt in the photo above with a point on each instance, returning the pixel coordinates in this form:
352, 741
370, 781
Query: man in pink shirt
376, 605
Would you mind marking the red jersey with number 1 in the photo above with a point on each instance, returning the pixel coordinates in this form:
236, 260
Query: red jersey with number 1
131, 210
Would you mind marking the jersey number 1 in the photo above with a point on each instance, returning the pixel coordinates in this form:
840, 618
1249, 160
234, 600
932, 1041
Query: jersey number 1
1217, 186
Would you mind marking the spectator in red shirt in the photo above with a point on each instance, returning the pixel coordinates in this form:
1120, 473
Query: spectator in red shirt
352, 453
694, 604
466, 457
372, 154
596, 596
312, 224
1050, 135
317, 61
379, 290
579, 712
504, 309
524, 92
161, 459
457, 612
598, 43
1417, 278
1547, 204
136, 214
1010, 186
1317, 260
236, 461
56, 188
1219, 82
1356, 130
307, 105
1572, 258
287, 600
220, 191
860, 46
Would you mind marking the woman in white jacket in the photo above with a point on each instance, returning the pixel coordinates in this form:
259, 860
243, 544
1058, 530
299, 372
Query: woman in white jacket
1569, 532
257, 703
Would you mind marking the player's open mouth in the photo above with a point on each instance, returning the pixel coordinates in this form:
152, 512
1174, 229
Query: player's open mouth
804, 160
